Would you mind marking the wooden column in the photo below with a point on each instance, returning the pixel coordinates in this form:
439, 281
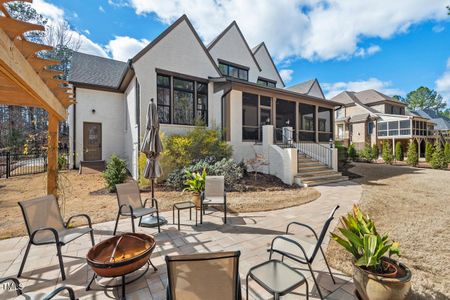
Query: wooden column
52, 155
316, 123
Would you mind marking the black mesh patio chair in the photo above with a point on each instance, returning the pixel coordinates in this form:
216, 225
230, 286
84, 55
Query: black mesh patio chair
303, 250
214, 194
204, 276
45, 226
130, 204
49, 296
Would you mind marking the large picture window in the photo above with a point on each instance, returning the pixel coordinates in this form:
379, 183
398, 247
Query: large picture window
181, 101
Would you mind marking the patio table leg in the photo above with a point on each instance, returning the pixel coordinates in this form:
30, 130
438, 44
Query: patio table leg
178, 220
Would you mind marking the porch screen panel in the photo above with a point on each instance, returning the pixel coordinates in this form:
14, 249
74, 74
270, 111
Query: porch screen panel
249, 117
307, 115
183, 102
163, 98
265, 113
324, 119
405, 127
285, 117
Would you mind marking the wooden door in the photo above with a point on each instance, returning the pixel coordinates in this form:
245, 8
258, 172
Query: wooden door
92, 141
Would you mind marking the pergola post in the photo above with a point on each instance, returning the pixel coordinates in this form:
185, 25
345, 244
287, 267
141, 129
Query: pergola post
52, 155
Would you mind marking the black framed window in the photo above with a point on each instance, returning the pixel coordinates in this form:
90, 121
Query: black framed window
307, 131
181, 101
202, 102
266, 82
234, 71
250, 126
163, 99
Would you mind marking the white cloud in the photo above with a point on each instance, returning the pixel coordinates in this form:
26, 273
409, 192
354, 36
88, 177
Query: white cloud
443, 84
363, 52
56, 15
438, 28
311, 29
118, 3
125, 47
332, 89
286, 75
101, 9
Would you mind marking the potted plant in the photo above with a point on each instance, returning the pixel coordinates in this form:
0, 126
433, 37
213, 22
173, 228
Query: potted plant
195, 183
375, 275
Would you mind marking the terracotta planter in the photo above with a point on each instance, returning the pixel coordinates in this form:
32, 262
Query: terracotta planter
371, 286
196, 200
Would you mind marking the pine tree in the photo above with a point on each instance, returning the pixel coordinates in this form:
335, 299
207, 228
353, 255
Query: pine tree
447, 152
386, 153
428, 151
398, 151
438, 160
413, 158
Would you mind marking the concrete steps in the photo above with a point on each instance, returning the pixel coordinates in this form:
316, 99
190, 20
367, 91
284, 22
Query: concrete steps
312, 172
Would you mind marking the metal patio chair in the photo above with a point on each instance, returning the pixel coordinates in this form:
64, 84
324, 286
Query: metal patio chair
130, 204
204, 276
45, 226
303, 250
51, 295
214, 194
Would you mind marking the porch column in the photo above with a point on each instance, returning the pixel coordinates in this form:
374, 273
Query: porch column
52, 155
316, 123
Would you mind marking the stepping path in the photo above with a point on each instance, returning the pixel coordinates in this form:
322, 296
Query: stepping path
251, 233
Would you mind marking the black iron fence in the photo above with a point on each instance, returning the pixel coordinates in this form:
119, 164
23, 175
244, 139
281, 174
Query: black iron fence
16, 164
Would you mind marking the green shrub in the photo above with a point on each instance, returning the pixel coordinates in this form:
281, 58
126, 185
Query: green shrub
366, 153
143, 182
198, 144
231, 170
115, 173
447, 152
62, 161
386, 153
352, 152
412, 156
399, 152
428, 151
375, 152
342, 152
438, 159
195, 182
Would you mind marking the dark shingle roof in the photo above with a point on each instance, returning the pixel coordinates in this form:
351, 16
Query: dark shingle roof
442, 123
96, 71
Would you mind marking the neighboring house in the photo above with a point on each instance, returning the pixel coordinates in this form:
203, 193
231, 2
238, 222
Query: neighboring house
369, 117
226, 85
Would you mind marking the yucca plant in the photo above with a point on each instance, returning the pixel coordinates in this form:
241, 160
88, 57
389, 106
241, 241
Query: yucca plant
362, 240
195, 182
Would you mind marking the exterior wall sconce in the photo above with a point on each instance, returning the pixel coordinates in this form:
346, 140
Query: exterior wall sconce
93, 111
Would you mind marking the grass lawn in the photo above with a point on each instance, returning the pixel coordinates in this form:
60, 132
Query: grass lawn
413, 206
87, 194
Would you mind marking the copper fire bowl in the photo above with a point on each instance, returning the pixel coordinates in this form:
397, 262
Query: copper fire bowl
121, 254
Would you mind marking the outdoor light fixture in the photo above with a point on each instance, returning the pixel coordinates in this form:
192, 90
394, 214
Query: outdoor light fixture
267, 121
331, 143
288, 122
93, 110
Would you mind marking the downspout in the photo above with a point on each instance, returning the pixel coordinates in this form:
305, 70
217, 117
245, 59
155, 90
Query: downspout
222, 99
74, 147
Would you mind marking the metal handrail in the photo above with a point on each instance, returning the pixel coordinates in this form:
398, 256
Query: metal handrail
289, 143
317, 151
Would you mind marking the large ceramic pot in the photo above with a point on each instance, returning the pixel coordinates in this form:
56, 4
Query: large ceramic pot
370, 286
196, 200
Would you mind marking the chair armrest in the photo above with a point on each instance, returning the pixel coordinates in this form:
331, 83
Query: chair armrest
302, 225
124, 205
59, 290
77, 216
286, 239
15, 282
52, 230
155, 204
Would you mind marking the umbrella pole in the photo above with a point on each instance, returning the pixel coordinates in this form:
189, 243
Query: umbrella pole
153, 188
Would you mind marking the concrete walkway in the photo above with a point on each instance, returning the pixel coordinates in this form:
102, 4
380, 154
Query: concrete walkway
251, 233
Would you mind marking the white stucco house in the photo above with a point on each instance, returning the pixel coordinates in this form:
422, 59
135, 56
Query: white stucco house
226, 84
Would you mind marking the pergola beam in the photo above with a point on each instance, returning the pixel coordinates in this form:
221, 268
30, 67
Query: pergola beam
14, 66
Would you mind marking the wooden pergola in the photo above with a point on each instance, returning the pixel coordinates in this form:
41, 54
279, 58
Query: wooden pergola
25, 80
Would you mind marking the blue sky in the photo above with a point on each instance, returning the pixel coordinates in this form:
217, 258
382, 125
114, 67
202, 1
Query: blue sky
346, 45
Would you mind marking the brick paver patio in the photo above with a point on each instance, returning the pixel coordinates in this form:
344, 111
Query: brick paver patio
251, 233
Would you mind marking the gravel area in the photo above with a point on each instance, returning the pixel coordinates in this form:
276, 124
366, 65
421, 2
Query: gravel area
413, 206
86, 194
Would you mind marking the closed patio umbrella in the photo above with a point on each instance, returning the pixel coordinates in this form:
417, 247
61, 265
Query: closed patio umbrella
152, 147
